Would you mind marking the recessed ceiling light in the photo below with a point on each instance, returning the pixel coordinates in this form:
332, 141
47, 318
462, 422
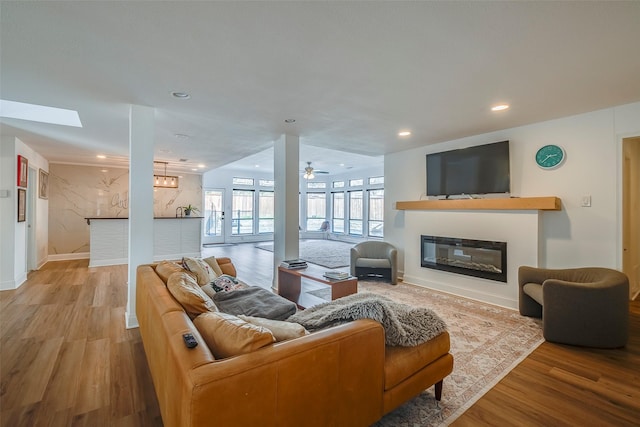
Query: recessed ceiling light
200, 165
194, 169
181, 136
257, 166
104, 170
289, 120
180, 95
39, 113
404, 133
500, 107
101, 156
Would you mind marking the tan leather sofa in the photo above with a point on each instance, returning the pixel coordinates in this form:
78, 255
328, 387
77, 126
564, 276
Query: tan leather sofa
340, 376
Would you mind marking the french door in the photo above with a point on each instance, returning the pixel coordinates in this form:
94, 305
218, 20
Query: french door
213, 230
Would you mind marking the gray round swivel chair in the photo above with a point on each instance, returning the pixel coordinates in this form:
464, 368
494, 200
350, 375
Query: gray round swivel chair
377, 259
579, 306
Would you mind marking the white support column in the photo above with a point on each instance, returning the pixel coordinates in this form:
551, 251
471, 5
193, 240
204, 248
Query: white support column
286, 234
141, 140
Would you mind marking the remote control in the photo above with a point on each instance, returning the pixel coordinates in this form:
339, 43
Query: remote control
189, 340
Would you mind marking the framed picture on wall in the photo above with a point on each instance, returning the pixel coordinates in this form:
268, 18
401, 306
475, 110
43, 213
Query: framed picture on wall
43, 187
22, 205
23, 171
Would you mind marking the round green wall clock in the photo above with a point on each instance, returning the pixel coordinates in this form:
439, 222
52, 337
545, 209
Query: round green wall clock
550, 156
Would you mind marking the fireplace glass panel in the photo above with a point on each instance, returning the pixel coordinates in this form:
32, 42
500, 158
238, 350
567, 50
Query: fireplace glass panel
477, 258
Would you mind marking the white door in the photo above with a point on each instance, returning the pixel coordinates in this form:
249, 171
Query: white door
213, 230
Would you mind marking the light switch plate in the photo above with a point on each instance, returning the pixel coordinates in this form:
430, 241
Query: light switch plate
4, 194
586, 201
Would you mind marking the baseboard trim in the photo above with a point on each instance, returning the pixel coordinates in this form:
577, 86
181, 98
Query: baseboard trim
463, 292
68, 257
106, 262
8, 285
131, 321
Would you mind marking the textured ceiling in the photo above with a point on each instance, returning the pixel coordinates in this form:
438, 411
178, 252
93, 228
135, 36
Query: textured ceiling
352, 74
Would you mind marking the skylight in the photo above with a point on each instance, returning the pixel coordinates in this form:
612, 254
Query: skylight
39, 113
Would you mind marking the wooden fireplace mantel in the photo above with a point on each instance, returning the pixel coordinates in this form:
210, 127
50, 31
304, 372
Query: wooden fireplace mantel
550, 203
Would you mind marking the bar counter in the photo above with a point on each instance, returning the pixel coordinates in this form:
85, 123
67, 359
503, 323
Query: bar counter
173, 238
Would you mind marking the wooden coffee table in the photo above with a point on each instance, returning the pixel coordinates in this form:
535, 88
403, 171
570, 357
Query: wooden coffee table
295, 285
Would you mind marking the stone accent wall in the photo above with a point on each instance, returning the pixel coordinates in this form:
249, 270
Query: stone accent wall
77, 192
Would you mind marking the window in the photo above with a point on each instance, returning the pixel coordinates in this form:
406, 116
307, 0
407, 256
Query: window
338, 212
376, 180
376, 213
242, 181
356, 182
316, 185
242, 212
338, 184
265, 182
316, 210
355, 212
265, 212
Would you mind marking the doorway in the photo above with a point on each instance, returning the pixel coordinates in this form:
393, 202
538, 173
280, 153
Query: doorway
630, 209
213, 231
31, 218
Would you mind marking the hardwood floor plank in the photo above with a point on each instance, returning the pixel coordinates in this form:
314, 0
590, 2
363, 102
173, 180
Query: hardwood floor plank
17, 358
94, 384
37, 377
63, 387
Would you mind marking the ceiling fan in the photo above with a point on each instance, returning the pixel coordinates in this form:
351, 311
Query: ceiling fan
309, 172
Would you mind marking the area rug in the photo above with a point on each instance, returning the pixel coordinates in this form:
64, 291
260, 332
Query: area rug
327, 253
487, 342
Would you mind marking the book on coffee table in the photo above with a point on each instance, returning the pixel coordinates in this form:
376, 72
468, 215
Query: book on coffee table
294, 263
336, 275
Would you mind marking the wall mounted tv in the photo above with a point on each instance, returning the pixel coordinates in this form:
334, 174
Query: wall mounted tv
483, 169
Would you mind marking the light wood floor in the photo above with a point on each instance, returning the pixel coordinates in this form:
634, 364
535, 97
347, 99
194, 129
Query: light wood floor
67, 360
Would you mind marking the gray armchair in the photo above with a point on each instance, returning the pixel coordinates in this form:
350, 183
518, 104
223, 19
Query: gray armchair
375, 259
579, 306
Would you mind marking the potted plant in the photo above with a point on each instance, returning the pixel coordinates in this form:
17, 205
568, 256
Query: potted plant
188, 209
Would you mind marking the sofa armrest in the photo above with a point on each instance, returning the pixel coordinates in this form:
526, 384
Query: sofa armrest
355, 254
283, 384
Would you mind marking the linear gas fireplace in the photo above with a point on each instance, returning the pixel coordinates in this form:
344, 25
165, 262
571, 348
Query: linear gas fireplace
478, 258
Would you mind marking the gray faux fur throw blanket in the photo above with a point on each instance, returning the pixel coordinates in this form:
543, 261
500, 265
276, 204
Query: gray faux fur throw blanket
404, 325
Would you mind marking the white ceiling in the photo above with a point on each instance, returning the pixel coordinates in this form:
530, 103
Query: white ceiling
352, 74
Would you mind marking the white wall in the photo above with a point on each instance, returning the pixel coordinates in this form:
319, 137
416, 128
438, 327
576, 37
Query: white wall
13, 271
573, 237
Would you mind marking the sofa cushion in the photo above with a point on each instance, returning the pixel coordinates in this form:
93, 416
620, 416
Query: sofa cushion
534, 290
202, 270
373, 263
227, 335
213, 263
166, 268
282, 331
402, 362
184, 288
227, 266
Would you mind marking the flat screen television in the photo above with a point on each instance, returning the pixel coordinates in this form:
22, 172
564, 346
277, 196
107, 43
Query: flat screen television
483, 169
